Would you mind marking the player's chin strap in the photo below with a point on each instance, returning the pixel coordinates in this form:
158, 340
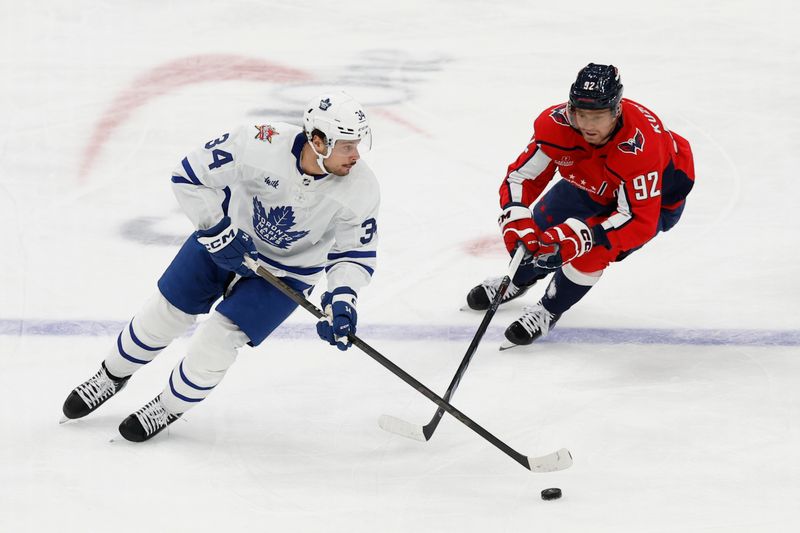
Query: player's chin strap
321, 158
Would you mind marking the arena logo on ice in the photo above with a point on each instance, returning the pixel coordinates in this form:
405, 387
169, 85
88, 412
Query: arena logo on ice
381, 79
275, 228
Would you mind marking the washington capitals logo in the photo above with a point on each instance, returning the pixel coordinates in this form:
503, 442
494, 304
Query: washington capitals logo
265, 133
559, 115
275, 228
325, 104
633, 145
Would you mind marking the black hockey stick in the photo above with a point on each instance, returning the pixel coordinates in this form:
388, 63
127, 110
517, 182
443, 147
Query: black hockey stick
552, 462
424, 433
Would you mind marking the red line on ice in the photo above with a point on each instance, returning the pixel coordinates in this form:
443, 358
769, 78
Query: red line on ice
385, 113
174, 75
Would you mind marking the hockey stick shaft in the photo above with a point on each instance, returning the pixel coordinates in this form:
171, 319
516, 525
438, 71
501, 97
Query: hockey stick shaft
428, 429
389, 365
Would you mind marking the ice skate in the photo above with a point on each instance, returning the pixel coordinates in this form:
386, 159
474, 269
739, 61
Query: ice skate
481, 296
92, 393
534, 323
148, 421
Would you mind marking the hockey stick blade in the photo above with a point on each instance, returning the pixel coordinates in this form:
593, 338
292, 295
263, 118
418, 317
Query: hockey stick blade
528, 463
552, 462
402, 428
424, 433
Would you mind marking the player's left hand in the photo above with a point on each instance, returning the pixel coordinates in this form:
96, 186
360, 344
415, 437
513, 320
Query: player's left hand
562, 243
340, 308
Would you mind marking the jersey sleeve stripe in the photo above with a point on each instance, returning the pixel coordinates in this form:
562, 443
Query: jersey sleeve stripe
530, 156
190, 171
531, 169
369, 270
181, 179
227, 200
623, 215
354, 254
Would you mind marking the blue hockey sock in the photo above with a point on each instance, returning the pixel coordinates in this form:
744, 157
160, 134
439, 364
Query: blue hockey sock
562, 292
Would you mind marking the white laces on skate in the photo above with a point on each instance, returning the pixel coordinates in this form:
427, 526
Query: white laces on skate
153, 416
98, 388
536, 318
491, 285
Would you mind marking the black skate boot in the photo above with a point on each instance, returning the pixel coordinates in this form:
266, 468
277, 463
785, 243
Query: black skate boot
147, 422
93, 393
536, 322
481, 296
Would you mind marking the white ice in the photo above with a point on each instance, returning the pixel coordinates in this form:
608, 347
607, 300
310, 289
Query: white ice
99, 101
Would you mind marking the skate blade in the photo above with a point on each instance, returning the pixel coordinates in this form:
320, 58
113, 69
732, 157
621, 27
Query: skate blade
63, 420
507, 345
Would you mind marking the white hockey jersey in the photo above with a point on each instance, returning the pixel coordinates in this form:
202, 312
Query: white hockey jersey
302, 224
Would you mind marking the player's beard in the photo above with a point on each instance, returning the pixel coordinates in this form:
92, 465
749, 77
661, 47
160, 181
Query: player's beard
343, 170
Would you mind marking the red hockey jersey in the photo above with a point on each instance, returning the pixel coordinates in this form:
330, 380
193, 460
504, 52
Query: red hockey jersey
642, 169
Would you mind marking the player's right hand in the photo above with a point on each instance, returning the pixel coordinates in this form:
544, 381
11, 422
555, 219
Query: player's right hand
341, 317
517, 225
228, 245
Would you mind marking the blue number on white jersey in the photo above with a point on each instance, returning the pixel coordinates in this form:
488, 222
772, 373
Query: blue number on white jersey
220, 156
370, 227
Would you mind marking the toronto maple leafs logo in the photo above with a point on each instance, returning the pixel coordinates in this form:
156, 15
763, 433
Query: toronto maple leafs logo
275, 228
559, 116
325, 104
633, 145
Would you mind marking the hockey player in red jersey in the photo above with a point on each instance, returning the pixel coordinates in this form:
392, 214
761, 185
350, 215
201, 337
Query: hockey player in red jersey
624, 178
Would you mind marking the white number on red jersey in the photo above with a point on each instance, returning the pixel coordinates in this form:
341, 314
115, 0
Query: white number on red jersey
646, 186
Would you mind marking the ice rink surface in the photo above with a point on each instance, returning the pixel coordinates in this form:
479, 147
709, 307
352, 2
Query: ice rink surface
674, 383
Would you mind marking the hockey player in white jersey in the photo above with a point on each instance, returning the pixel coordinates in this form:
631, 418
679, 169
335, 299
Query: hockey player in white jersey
300, 202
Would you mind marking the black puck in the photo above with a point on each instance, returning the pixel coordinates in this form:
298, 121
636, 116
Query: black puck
551, 494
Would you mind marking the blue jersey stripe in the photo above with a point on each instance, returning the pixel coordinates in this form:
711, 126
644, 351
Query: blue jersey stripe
294, 270
180, 179
339, 255
226, 202
190, 171
369, 270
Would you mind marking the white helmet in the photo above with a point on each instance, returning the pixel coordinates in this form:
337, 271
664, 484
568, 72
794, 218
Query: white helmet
339, 117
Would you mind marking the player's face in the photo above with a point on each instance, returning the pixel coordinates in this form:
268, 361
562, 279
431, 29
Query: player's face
595, 125
343, 157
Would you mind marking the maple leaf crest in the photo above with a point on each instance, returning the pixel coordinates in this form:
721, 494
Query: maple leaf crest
275, 228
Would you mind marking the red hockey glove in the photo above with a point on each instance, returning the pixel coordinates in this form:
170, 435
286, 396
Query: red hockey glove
563, 243
517, 225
